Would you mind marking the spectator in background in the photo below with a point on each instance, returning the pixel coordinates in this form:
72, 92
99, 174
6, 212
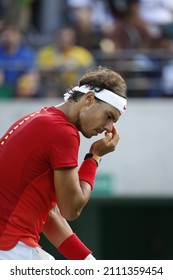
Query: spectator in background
19, 11
159, 16
131, 31
62, 62
134, 34
157, 13
91, 19
18, 74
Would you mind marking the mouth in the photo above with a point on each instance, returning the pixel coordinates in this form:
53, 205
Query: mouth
98, 131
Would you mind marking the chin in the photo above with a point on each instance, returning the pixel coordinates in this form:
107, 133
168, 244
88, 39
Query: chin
86, 135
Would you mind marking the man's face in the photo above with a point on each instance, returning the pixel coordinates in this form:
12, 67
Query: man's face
65, 38
96, 118
11, 36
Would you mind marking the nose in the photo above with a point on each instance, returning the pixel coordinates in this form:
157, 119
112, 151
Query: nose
109, 126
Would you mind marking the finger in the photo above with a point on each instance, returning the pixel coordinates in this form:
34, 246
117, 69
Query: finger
114, 130
116, 137
108, 137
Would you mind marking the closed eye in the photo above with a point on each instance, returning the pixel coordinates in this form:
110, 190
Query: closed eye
111, 117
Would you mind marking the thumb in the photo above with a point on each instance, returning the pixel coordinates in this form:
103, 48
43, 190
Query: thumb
108, 136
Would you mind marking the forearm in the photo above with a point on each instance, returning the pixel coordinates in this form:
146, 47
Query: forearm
87, 173
81, 200
59, 233
56, 228
73, 190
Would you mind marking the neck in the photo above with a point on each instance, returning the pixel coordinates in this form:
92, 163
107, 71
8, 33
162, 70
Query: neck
70, 109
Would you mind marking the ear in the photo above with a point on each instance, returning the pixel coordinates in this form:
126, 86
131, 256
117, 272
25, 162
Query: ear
89, 98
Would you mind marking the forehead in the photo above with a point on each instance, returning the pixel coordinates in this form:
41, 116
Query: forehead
107, 108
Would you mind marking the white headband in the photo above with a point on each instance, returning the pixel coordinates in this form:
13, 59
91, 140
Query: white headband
105, 95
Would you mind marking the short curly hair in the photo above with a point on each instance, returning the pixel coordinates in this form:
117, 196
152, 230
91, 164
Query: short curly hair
103, 78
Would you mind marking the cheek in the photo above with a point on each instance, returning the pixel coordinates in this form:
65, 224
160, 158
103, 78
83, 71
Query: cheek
88, 118
85, 120
91, 118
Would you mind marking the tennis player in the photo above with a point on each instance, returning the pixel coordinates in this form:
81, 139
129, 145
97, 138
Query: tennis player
41, 186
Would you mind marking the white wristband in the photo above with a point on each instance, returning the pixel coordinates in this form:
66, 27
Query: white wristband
89, 257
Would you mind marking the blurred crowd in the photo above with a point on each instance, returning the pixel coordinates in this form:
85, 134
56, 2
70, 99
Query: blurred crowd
134, 37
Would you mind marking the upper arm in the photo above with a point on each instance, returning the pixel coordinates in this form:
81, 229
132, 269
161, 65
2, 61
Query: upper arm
63, 147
